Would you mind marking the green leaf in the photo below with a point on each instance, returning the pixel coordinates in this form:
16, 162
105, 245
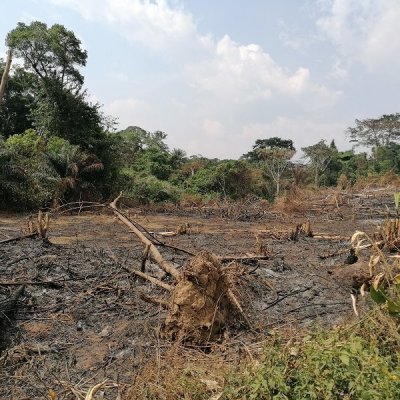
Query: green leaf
378, 295
393, 307
345, 358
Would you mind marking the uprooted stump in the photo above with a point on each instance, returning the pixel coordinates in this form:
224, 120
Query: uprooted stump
201, 305
203, 299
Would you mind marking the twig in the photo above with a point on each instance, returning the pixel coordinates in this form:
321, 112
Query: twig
33, 283
153, 280
14, 239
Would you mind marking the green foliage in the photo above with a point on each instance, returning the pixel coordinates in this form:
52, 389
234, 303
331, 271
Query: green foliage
27, 144
376, 132
271, 143
18, 100
149, 189
54, 53
320, 156
233, 179
359, 363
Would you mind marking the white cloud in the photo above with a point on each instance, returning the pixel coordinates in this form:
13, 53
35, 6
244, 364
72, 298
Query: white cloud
365, 31
243, 73
208, 105
152, 23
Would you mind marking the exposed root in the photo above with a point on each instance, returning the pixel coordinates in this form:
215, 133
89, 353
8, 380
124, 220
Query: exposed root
202, 303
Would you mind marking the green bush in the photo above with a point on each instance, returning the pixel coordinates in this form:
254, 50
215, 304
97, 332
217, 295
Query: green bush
149, 189
360, 363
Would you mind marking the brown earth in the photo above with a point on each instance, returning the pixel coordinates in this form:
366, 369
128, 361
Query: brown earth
82, 317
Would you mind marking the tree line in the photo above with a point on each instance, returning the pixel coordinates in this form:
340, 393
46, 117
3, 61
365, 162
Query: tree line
56, 146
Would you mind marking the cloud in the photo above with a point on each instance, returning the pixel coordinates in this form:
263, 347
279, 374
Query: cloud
364, 31
240, 74
216, 88
152, 23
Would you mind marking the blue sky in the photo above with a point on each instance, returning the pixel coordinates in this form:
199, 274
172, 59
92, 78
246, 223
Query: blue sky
217, 75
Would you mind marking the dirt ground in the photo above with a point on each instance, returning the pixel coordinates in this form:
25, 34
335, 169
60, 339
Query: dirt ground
82, 319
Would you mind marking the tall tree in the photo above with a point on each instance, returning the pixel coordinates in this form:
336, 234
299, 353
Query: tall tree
54, 53
4, 75
276, 161
271, 143
320, 156
374, 132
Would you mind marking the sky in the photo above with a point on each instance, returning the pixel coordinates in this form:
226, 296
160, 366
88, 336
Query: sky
216, 75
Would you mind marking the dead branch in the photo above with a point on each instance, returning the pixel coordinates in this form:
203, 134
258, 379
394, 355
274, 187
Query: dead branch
33, 283
227, 259
14, 239
330, 237
165, 265
154, 300
153, 280
235, 301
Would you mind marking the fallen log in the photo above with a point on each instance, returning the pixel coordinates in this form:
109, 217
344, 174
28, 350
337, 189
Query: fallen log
165, 265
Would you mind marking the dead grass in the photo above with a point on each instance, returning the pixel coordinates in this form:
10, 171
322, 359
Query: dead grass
181, 373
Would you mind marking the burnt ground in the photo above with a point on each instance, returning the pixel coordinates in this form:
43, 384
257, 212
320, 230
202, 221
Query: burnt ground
81, 318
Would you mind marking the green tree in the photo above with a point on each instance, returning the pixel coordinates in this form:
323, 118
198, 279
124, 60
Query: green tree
61, 108
54, 53
271, 143
320, 156
374, 132
18, 101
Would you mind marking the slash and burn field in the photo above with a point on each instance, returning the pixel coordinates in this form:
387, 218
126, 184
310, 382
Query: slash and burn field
93, 312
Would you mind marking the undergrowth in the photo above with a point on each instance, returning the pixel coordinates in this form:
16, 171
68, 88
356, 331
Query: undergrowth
359, 361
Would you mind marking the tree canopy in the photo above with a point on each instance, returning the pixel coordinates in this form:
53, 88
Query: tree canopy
373, 132
54, 53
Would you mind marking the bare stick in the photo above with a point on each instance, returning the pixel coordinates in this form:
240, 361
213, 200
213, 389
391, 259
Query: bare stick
165, 265
154, 300
31, 235
235, 301
153, 280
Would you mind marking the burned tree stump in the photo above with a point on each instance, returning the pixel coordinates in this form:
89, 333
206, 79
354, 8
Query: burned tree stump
200, 306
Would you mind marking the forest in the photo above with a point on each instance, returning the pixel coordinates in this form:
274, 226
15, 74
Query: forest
56, 146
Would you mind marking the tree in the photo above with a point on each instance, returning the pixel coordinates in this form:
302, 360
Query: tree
61, 108
4, 75
320, 155
274, 154
54, 53
18, 102
276, 161
271, 143
376, 132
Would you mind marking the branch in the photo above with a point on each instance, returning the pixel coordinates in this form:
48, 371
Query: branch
164, 264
